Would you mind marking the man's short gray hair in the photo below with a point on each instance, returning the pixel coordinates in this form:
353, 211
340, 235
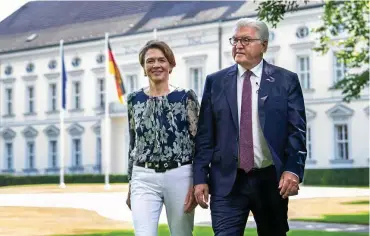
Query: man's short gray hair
261, 27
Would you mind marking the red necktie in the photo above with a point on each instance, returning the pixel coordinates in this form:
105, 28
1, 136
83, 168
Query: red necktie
246, 153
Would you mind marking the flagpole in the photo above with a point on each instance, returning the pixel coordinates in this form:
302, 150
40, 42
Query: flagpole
106, 117
155, 33
61, 116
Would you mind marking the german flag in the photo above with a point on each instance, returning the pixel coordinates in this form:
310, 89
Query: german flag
113, 70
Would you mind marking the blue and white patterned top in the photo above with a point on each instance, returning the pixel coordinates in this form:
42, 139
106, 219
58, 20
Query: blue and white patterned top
162, 128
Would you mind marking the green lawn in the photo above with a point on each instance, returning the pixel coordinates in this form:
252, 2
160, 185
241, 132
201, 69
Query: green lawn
337, 186
360, 218
364, 202
207, 231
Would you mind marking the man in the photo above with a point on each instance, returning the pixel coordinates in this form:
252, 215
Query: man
251, 141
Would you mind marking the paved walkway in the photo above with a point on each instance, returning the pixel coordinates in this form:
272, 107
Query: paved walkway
299, 225
112, 205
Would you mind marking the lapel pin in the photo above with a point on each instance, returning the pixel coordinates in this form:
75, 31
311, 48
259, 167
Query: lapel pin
271, 79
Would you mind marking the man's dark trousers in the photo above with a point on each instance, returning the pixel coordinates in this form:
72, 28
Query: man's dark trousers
256, 191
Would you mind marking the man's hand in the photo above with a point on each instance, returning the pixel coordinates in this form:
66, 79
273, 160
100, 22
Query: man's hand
289, 184
128, 200
190, 202
201, 195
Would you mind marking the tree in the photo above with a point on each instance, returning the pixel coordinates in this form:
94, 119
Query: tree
352, 17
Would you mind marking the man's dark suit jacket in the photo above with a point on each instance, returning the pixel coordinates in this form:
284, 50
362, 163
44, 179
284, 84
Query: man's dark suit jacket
282, 117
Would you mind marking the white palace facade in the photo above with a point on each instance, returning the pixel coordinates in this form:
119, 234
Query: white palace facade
30, 80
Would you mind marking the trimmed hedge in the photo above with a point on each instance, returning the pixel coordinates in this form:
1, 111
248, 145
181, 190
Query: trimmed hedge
337, 177
314, 177
7, 180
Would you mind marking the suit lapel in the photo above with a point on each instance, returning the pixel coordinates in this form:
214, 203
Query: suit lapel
230, 85
267, 82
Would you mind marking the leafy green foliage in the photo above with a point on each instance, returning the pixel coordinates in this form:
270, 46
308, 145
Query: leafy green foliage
274, 11
344, 29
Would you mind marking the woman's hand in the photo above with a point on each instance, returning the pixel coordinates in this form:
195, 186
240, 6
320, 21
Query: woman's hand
190, 202
128, 200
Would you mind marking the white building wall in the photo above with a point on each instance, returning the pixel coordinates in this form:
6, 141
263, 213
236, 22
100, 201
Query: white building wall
323, 136
120, 145
195, 46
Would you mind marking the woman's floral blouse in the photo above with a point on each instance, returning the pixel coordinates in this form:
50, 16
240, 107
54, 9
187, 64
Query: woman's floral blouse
162, 128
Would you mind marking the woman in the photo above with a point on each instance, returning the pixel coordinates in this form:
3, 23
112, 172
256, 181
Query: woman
162, 127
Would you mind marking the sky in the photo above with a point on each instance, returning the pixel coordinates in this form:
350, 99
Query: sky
9, 7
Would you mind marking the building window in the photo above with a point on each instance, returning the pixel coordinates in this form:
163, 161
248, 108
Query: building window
304, 71
53, 154
339, 69
101, 93
52, 97
98, 153
30, 99
76, 154
52, 64
30, 162
100, 58
52, 132
76, 95
8, 156
30, 67
8, 70
76, 131
309, 143
131, 83
340, 29
197, 82
341, 116
9, 101
8, 136
76, 62
302, 32
341, 142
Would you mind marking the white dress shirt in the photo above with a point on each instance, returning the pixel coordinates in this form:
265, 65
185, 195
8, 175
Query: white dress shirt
262, 154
